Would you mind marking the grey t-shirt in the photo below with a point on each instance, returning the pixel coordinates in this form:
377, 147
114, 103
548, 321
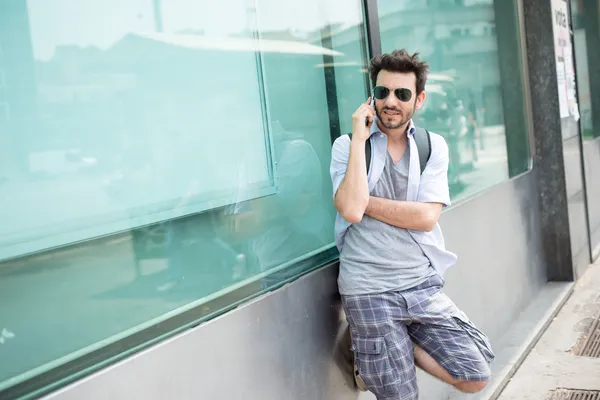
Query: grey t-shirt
378, 257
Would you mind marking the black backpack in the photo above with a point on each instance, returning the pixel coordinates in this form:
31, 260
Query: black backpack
423, 141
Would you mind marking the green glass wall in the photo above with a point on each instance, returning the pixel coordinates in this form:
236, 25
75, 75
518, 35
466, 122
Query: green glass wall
475, 97
161, 161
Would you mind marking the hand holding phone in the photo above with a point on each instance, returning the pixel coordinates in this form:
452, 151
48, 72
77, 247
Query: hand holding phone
372, 104
362, 120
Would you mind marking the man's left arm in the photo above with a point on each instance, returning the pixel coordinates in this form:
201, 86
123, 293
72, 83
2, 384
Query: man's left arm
433, 196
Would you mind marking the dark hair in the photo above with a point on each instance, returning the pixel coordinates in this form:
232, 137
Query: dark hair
400, 61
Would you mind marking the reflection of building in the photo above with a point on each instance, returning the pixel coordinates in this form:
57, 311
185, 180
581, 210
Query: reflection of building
16, 58
141, 109
17, 79
456, 38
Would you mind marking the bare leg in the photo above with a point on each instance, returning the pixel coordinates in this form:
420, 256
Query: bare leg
428, 364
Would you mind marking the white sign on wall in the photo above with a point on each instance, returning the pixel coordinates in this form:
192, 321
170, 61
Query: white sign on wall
565, 68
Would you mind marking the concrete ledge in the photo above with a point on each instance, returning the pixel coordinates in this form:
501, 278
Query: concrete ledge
523, 335
552, 364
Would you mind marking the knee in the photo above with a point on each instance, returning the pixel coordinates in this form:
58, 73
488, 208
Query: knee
470, 386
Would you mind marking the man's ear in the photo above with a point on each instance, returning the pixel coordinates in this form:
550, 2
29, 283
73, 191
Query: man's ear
420, 100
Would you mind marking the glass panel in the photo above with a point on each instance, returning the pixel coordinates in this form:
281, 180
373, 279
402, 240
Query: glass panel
466, 101
174, 164
586, 38
586, 41
117, 137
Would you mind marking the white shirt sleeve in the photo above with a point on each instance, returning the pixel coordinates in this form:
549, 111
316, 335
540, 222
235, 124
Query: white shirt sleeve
433, 187
340, 152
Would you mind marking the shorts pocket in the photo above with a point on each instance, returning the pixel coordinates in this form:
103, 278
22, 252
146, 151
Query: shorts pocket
479, 338
374, 367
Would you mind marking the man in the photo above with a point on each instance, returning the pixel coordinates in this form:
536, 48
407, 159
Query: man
473, 132
392, 255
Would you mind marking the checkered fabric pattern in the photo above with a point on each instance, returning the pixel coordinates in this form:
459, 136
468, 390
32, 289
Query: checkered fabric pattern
384, 327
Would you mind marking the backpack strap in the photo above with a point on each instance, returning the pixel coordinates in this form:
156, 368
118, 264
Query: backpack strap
423, 141
367, 152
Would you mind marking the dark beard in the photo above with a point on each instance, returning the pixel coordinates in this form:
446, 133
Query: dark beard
394, 126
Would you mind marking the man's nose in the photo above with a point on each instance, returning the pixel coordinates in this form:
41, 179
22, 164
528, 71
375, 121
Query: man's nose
391, 101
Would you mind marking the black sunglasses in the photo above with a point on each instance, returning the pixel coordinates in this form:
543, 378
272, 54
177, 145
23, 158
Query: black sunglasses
381, 93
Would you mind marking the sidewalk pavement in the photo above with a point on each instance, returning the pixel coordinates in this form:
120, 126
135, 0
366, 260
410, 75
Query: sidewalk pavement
553, 364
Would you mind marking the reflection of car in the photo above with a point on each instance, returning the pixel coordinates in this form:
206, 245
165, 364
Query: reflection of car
60, 161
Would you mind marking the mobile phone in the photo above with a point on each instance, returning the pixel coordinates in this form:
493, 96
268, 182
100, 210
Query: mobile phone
372, 105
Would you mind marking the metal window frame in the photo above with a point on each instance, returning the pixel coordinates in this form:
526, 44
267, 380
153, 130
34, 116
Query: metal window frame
372, 27
586, 205
526, 82
369, 35
330, 85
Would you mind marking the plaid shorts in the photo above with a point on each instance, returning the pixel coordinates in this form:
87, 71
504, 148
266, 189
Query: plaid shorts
384, 327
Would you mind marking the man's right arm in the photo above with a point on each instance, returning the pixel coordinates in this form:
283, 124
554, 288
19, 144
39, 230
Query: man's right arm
349, 168
352, 197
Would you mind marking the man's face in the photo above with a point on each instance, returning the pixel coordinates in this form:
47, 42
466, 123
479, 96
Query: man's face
392, 112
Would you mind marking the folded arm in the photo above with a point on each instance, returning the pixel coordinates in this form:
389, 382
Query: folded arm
405, 214
433, 195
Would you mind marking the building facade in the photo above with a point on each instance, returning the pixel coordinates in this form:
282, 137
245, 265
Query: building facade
166, 223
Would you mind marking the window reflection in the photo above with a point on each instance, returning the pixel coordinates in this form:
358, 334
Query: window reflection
584, 37
464, 98
157, 160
